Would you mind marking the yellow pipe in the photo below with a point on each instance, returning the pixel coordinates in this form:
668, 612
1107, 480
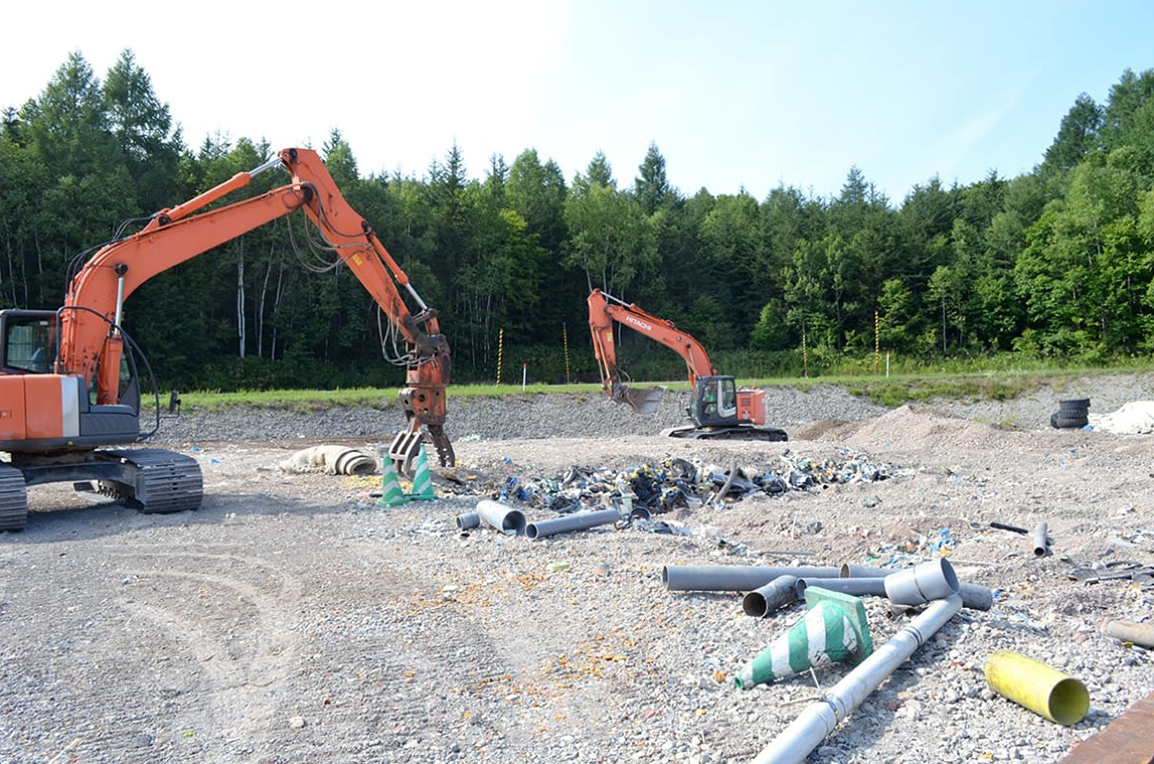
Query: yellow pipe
1044, 690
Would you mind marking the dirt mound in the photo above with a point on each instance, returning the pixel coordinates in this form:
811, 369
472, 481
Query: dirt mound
913, 427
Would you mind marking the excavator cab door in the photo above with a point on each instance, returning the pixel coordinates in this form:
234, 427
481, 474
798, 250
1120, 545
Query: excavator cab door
714, 401
28, 340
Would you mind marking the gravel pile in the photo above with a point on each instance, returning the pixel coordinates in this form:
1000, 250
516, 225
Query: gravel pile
530, 416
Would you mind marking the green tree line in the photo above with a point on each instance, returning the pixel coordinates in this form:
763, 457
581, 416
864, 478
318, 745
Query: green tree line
1057, 263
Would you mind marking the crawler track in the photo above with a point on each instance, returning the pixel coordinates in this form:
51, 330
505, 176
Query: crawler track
168, 482
13, 499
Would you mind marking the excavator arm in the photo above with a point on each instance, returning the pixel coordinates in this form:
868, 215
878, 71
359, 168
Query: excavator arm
91, 344
604, 311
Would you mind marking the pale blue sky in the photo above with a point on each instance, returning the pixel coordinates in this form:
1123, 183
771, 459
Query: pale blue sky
738, 94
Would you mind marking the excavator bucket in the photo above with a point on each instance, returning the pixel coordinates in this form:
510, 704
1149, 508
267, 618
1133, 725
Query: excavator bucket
644, 400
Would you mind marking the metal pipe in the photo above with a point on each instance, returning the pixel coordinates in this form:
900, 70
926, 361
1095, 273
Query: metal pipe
733, 578
1128, 631
858, 587
501, 517
468, 520
1041, 543
775, 595
575, 522
819, 718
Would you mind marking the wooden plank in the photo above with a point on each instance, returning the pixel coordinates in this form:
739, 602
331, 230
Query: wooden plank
1129, 739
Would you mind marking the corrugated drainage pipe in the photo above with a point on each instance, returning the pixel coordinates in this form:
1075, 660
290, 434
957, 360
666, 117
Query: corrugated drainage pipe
578, 521
733, 578
819, 718
763, 600
501, 517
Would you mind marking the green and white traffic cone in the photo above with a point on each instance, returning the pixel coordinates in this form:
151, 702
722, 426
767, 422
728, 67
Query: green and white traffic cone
391, 493
422, 479
834, 629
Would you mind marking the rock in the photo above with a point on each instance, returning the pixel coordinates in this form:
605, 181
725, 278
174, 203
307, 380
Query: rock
297, 722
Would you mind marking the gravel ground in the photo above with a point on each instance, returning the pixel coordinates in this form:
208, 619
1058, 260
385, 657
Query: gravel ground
293, 620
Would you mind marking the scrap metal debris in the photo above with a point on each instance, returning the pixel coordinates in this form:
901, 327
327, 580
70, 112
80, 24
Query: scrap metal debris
676, 483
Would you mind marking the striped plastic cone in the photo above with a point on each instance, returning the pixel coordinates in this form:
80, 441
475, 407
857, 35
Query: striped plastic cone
391, 493
833, 630
422, 479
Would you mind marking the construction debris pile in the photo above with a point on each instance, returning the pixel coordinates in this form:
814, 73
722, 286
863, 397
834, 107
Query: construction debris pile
676, 483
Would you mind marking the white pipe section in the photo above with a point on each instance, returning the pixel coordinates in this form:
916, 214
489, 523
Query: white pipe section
812, 726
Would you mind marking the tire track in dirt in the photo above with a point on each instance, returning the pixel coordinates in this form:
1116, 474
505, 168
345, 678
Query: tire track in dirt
247, 653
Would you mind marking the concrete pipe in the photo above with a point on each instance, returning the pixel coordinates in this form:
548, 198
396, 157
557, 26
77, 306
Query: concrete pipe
807, 731
733, 578
576, 522
1040, 540
468, 520
1128, 631
502, 518
858, 587
764, 600
932, 580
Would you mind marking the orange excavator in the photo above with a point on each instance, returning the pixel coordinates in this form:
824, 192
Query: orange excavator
69, 379
717, 408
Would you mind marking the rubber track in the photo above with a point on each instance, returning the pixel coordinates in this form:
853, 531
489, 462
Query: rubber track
172, 482
770, 435
13, 499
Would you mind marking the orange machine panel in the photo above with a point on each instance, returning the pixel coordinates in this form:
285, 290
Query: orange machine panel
44, 414
751, 405
12, 407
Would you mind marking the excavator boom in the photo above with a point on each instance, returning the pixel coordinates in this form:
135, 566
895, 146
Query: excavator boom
57, 409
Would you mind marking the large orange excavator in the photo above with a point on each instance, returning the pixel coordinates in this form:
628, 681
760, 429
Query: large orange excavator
717, 408
63, 402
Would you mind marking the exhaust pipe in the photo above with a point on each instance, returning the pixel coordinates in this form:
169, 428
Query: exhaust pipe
501, 517
820, 717
575, 522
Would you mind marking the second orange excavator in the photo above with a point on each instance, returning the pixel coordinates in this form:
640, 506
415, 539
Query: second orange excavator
718, 409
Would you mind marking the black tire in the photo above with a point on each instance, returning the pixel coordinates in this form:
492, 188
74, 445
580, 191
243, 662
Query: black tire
1074, 407
1062, 421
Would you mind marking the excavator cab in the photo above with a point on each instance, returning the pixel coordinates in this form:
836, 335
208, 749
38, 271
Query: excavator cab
714, 401
29, 341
